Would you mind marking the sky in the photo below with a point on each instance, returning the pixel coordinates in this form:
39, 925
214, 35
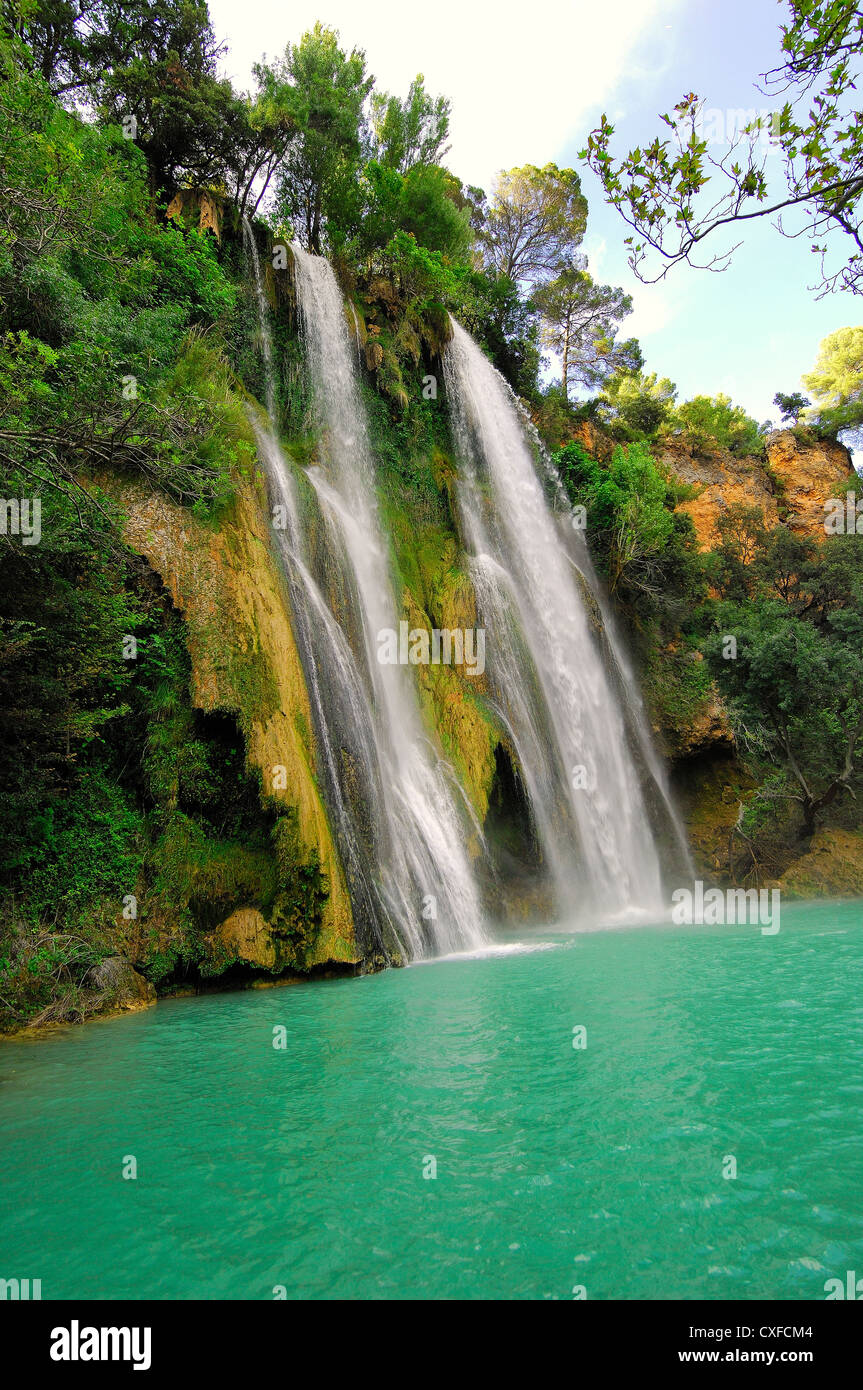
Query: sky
528, 83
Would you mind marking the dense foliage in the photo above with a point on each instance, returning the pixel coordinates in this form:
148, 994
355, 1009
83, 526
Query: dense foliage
128, 353
793, 671
836, 382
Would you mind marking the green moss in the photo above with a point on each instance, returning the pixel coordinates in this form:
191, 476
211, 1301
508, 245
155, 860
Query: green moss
296, 912
677, 687
416, 481
301, 723
200, 879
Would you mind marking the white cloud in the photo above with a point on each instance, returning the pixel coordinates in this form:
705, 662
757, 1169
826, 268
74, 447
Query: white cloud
522, 84
653, 308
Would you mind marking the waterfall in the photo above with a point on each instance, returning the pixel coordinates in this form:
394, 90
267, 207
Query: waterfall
263, 322
343, 724
399, 815
572, 726
557, 680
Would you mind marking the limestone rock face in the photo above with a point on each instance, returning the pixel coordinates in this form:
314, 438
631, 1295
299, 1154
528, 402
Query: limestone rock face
246, 938
120, 986
190, 204
792, 484
798, 476
708, 728
810, 473
226, 583
446, 696
710, 789
723, 479
832, 867
374, 355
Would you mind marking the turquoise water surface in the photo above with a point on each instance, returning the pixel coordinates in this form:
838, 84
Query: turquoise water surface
556, 1167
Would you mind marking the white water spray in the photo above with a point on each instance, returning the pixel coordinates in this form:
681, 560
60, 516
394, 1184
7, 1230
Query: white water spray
552, 689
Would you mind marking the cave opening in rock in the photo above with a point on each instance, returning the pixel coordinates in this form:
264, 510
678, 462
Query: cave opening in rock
518, 886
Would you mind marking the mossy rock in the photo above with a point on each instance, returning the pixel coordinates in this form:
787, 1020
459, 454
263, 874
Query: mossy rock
832, 867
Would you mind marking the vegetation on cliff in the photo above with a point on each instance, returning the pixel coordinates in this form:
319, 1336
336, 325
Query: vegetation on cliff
142, 698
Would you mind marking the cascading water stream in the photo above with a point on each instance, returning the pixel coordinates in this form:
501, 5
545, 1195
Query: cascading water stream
340, 708
553, 694
393, 800
422, 832
573, 541
558, 678
263, 322
627, 685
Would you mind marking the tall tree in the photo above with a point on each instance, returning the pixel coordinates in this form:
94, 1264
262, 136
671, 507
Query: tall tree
642, 402
425, 202
319, 174
581, 320
59, 36
156, 65
534, 223
150, 64
272, 120
790, 406
798, 691
409, 132
836, 382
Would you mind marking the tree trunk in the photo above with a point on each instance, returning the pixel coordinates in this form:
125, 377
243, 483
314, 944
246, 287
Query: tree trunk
315, 237
566, 362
